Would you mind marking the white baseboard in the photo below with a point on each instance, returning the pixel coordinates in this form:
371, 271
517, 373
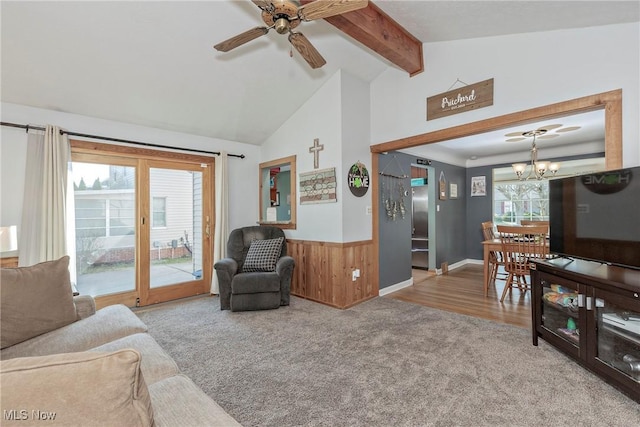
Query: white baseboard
461, 264
396, 287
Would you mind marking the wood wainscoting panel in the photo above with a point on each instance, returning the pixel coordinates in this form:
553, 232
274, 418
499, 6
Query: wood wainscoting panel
9, 262
324, 271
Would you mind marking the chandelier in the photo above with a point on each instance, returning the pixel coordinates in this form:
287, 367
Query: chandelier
538, 168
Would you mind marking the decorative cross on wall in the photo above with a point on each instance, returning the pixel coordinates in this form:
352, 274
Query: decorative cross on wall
315, 149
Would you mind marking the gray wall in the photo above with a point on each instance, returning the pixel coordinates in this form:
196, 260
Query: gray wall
450, 220
395, 236
450, 224
458, 233
479, 210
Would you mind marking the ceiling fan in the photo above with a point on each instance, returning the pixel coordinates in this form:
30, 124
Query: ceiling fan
285, 15
540, 133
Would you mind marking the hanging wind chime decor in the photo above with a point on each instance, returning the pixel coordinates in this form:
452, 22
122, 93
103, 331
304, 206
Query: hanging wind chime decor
393, 192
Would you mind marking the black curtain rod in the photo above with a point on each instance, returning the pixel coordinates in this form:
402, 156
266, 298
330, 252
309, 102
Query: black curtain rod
126, 141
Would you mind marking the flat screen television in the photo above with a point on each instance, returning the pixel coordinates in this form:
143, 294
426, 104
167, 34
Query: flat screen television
596, 216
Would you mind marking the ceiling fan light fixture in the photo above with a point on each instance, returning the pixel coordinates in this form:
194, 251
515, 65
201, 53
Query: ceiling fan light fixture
282, 25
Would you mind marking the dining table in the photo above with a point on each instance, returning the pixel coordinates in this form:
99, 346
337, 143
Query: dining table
491, 245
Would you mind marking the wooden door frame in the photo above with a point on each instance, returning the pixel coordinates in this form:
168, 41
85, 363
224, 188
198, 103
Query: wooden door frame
174, 291
96, 150
610, 102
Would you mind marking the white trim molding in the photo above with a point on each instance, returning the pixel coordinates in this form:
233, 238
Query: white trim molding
393, 288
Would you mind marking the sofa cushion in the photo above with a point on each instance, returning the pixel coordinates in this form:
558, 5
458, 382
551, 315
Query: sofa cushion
85, 306
263, 255
177, 401
77, 389
253, 283
108, 324
156, 363
35, 300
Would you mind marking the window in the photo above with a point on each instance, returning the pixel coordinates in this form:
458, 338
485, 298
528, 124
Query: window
121, 215
159, 217
90, 217
517, 200
103, 216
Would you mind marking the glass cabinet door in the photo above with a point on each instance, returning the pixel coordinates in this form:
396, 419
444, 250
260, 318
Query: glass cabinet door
617, 343
561, 316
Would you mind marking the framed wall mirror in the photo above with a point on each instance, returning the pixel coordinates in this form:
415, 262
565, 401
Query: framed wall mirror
278, 192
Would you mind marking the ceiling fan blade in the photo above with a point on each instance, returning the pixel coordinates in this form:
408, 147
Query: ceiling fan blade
568, 129
263, 4
326, 8
306, 49
549, 127
514, 134
241, 39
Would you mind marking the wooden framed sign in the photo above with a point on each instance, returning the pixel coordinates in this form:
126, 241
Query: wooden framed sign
469, 97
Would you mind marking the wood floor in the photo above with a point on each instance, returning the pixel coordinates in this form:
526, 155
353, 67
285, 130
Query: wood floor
460, 291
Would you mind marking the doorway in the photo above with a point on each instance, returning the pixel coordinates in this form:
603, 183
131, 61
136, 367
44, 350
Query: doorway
610, 102
423, 219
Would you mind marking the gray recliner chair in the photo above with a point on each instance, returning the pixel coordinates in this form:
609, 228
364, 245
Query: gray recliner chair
261, 282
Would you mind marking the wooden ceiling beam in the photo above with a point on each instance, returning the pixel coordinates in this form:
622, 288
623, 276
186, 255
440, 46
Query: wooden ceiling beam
376, 30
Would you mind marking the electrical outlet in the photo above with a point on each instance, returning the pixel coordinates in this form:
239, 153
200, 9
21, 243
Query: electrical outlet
368, 210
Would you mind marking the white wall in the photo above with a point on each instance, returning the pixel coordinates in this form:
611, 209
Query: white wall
318, 118
530, 70
356, 125
337, 114
243, 173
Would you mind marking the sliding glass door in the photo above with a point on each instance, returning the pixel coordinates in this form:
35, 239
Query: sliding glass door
178, 230
142, 226
105, 231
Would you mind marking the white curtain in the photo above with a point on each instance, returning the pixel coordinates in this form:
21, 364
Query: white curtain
221, 231
43, 234
71, 223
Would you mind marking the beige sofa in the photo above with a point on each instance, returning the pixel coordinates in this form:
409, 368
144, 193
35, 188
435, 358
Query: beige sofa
101, 368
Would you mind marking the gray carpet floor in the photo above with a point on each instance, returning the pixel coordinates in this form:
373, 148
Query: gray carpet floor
381, 363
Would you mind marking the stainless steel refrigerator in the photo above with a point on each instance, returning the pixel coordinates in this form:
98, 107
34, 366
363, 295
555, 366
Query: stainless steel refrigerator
420, 226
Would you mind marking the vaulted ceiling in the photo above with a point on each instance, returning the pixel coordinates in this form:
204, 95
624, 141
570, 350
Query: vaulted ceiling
152, 63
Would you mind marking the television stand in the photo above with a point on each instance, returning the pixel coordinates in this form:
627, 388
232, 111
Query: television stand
591, 312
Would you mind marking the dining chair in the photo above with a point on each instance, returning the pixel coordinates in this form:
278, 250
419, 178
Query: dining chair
495, 258
521, 245
530, 222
